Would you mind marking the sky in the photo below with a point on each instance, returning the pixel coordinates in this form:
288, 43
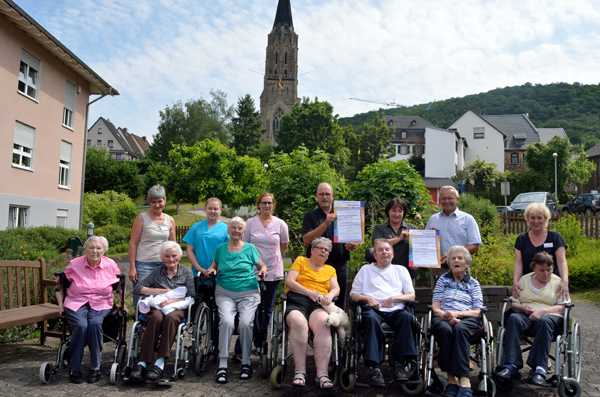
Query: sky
158, 52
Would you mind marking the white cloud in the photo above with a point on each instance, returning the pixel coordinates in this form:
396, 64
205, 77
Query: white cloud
157, 52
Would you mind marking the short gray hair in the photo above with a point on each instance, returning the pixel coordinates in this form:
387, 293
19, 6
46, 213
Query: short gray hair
450, 188
463, 250
379, 241
321, 241
99, 239
237, 220
168, 246
155, 192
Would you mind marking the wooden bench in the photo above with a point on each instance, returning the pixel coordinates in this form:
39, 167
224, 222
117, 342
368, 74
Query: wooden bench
23, 296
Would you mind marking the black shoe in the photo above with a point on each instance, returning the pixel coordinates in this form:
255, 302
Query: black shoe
94, 376
505, 374
154, 374
138, 373
376, 378
246, 372
75, 377
404, 371
537, 379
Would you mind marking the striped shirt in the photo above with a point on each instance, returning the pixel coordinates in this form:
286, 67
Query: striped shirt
458, 295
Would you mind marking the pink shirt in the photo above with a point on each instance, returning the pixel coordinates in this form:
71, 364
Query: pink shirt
91, 285
267, 240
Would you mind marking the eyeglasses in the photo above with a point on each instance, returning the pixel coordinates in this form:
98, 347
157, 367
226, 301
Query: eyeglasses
322, 248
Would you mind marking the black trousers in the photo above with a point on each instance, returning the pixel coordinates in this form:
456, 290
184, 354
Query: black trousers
342, 279
454, 342
400, 321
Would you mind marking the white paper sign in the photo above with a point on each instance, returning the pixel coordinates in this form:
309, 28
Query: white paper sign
349, 221
424, 249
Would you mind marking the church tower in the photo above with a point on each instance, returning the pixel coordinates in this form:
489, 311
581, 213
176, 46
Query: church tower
280, 90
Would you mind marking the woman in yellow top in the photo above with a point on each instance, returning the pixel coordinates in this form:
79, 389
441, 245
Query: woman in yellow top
310, 284
536, 314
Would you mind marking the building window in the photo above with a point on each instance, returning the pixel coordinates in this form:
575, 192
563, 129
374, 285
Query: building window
18, 216
99, 142
64, 164
514, 159
276, 57
478, 132
110, 143
99, 130
418, 150
89, 142
118, 156
404, 149
285, 58
62, 216
23, 146
70, 93
29, 75
403, 134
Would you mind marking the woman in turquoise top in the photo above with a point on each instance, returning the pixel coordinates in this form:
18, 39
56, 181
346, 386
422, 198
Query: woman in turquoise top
236, 293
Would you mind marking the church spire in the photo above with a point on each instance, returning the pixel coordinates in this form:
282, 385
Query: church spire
283, 17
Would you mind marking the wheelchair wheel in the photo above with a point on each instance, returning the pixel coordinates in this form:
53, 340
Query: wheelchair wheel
499, 348
574, 358
277, 376
412, 388
115, 374
202, 338
569, 388
347, 379
64, 355
46, 372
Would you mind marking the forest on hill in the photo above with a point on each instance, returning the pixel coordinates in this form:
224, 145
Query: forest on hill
574, 107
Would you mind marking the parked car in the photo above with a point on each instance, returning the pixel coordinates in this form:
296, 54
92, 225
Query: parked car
522, 200
588, 203
502, 209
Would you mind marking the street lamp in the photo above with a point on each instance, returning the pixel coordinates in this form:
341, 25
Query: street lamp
555, 155
90, 229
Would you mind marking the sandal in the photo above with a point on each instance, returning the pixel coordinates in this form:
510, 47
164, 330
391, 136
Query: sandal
221, 376
245, 372
325, 382
299, 379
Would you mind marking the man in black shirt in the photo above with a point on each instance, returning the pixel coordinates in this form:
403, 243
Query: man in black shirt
319, 223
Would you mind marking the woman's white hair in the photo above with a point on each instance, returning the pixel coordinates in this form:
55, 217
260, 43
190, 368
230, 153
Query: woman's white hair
97, 239
463, 250
321, 241
170, 246
237, 220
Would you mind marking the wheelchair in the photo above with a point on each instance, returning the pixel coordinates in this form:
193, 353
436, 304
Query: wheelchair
567, 359
114, 330
279, 357
206, 335
482, 352
186, 346
354, 346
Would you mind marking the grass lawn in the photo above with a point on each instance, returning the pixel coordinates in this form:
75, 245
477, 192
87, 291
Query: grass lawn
590, 295
184, 218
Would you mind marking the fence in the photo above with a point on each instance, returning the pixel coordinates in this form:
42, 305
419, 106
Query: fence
514, 223
180, 231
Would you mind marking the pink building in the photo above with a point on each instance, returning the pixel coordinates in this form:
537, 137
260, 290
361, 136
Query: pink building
44, 99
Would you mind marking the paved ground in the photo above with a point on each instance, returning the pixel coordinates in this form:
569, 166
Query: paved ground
19, 366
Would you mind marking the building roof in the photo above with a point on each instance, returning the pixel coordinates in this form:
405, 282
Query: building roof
594, 151
435, 183
517, 128
546, 134
283, 16
14, 13
408, 122
135, 145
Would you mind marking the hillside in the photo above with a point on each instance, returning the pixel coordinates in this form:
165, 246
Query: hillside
575, 107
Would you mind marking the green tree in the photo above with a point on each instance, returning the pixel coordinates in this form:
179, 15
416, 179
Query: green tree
108, 208
192, 122
209, 168
293, 179
481, 178
369, 143
246, 126
103, 173
313, 125
379, 182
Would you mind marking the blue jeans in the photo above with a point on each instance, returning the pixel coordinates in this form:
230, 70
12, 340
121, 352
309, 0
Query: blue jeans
143, 270
86, 329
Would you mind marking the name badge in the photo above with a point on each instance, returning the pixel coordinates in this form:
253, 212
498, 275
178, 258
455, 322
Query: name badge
548, 245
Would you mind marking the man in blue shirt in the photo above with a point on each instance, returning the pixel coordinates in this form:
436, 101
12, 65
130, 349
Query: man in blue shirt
454, 226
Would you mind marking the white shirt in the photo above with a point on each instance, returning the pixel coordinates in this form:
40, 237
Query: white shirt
383, 283
458, 228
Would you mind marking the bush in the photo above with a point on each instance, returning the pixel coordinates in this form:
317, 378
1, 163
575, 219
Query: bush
484, 213
108, 208
32, 243
117, 236
494, 262
584, 269
570, 229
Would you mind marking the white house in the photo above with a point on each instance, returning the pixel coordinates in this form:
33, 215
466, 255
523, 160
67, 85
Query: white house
485, 141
